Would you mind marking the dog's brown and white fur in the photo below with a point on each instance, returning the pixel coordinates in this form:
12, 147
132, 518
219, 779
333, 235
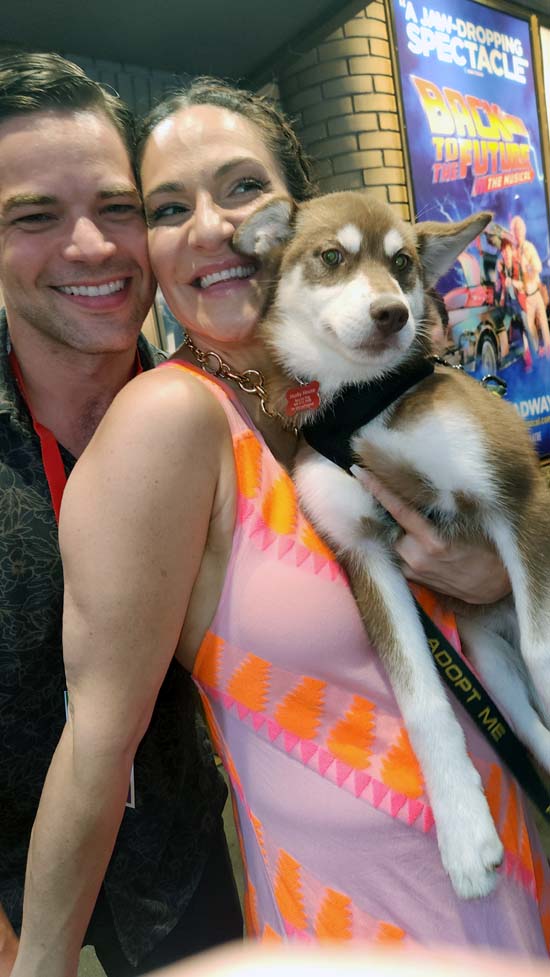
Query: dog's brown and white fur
449, 447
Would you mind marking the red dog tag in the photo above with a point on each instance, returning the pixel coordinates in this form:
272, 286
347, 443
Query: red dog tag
302, 398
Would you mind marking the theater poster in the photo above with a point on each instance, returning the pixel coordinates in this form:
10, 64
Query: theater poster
471, 118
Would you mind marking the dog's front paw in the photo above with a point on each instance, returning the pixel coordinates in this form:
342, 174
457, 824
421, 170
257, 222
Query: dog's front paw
471, 849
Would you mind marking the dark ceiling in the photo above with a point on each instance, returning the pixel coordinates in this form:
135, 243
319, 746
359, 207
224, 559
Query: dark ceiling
234, 38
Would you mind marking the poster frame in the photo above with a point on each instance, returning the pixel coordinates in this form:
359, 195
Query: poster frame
542, 91
501, 6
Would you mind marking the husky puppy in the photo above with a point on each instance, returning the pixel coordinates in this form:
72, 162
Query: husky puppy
348, 306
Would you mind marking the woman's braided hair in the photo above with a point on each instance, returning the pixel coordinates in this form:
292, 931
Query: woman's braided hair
275, 128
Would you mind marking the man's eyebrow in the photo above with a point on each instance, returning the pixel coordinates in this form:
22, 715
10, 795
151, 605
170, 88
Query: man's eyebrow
124, 190
45, 200
28, 199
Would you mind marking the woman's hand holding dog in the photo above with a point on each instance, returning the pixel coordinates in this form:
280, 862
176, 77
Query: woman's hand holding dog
472, 572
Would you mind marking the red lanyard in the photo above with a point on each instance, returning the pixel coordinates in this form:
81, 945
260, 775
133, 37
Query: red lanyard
54, 469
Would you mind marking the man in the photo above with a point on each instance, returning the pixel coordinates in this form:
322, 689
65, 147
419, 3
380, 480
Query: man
531, 267
77, 285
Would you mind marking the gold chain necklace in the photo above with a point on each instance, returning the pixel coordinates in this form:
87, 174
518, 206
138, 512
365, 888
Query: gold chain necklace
251, 381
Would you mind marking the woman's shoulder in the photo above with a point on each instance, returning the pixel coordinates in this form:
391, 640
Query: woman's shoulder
167, 402
164, 437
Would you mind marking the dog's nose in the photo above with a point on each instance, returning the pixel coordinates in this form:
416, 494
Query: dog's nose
389, 317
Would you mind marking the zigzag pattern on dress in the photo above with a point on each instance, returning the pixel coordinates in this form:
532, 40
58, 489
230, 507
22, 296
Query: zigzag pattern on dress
398, 790
270, 514
257, 688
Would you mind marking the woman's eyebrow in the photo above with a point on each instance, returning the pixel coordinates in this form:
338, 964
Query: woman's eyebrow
177, 186
172, 186
237, 161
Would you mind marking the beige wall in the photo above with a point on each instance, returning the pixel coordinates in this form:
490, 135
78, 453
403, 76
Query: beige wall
342, 93
150, 329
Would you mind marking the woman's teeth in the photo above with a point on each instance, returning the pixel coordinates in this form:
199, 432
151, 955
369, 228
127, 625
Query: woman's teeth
241, 271
91, 290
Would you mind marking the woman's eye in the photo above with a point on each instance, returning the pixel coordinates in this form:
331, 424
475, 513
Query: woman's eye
165, 212
249, 184
332, 257
401, 261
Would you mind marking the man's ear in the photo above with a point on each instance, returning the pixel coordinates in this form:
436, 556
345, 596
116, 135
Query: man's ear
265, 229
440, 244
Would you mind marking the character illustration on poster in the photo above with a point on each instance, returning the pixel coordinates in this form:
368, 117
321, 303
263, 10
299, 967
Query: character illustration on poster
469, 97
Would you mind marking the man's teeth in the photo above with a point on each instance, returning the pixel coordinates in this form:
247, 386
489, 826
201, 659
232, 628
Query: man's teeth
241, 271
107, 289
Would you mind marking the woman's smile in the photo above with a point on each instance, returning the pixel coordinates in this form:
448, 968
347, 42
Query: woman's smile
231, 273
205, 170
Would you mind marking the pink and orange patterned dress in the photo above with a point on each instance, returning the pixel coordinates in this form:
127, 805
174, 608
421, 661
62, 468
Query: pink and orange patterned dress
337, 835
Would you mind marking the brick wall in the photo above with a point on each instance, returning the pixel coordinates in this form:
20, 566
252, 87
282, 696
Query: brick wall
342, 94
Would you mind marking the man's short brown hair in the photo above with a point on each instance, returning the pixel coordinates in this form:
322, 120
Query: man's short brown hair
38, 82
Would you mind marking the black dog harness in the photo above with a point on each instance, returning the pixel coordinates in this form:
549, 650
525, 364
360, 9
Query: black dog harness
330, 434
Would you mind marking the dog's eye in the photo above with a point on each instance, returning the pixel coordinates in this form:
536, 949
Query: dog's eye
401, 261
332, 257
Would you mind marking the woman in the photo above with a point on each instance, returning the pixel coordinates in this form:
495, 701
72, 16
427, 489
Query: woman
183, 504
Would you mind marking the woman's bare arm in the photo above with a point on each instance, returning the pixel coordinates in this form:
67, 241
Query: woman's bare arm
134, 522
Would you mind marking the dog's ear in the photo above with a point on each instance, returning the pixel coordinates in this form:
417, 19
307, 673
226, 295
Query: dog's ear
265, 229
439, 244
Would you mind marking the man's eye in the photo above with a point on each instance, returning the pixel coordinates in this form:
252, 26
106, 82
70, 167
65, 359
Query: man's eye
248, 184
38, 218
123, 209
165, 212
